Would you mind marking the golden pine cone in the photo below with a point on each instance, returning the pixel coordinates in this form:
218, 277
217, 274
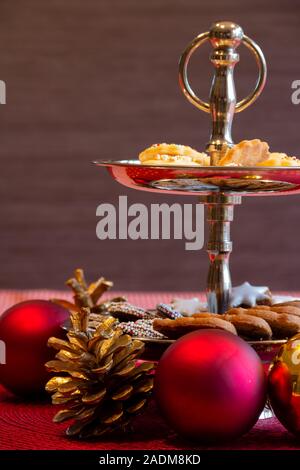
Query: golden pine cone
99, 380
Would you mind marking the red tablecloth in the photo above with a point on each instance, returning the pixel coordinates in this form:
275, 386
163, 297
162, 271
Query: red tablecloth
29, 425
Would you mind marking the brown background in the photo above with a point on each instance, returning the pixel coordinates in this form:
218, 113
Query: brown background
97, 79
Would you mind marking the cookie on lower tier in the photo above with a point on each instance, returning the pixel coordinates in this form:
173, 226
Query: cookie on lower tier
174, 329
250, 327
247, 326
291, 303
289, 309
283, 325
127, 312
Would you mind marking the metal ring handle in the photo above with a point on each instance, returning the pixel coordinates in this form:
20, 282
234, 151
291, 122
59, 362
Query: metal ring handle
203, 105
262, 75
183, 78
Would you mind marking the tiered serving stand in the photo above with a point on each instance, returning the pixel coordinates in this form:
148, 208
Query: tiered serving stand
218, 187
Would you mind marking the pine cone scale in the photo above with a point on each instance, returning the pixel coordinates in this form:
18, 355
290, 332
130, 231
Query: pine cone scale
93, 398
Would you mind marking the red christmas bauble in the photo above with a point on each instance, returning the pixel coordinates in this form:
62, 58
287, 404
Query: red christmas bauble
24, 330
284, 385
210, 386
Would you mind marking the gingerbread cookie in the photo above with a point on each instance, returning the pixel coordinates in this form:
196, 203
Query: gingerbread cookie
290, 303
247, 326
176, 328
282, 325
261, 307
289, 309
250, 327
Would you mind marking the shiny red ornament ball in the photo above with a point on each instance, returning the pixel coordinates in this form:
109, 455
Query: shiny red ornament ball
284, 385
24, 330
210, 386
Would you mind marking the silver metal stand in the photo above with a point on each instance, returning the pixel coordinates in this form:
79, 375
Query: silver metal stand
225, 37
221, 186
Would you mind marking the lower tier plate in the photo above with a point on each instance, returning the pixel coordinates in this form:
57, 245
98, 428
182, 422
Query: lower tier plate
154, 348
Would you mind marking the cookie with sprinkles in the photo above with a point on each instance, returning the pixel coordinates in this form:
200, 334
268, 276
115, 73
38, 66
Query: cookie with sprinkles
140, 329
127, 312
167, 311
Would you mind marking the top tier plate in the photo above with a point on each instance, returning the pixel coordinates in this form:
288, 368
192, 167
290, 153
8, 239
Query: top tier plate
197, 180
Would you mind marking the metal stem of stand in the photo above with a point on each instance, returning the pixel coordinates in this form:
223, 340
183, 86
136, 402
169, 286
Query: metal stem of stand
220, 209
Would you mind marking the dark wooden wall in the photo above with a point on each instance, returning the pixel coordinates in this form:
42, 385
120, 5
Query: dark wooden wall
92, 79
